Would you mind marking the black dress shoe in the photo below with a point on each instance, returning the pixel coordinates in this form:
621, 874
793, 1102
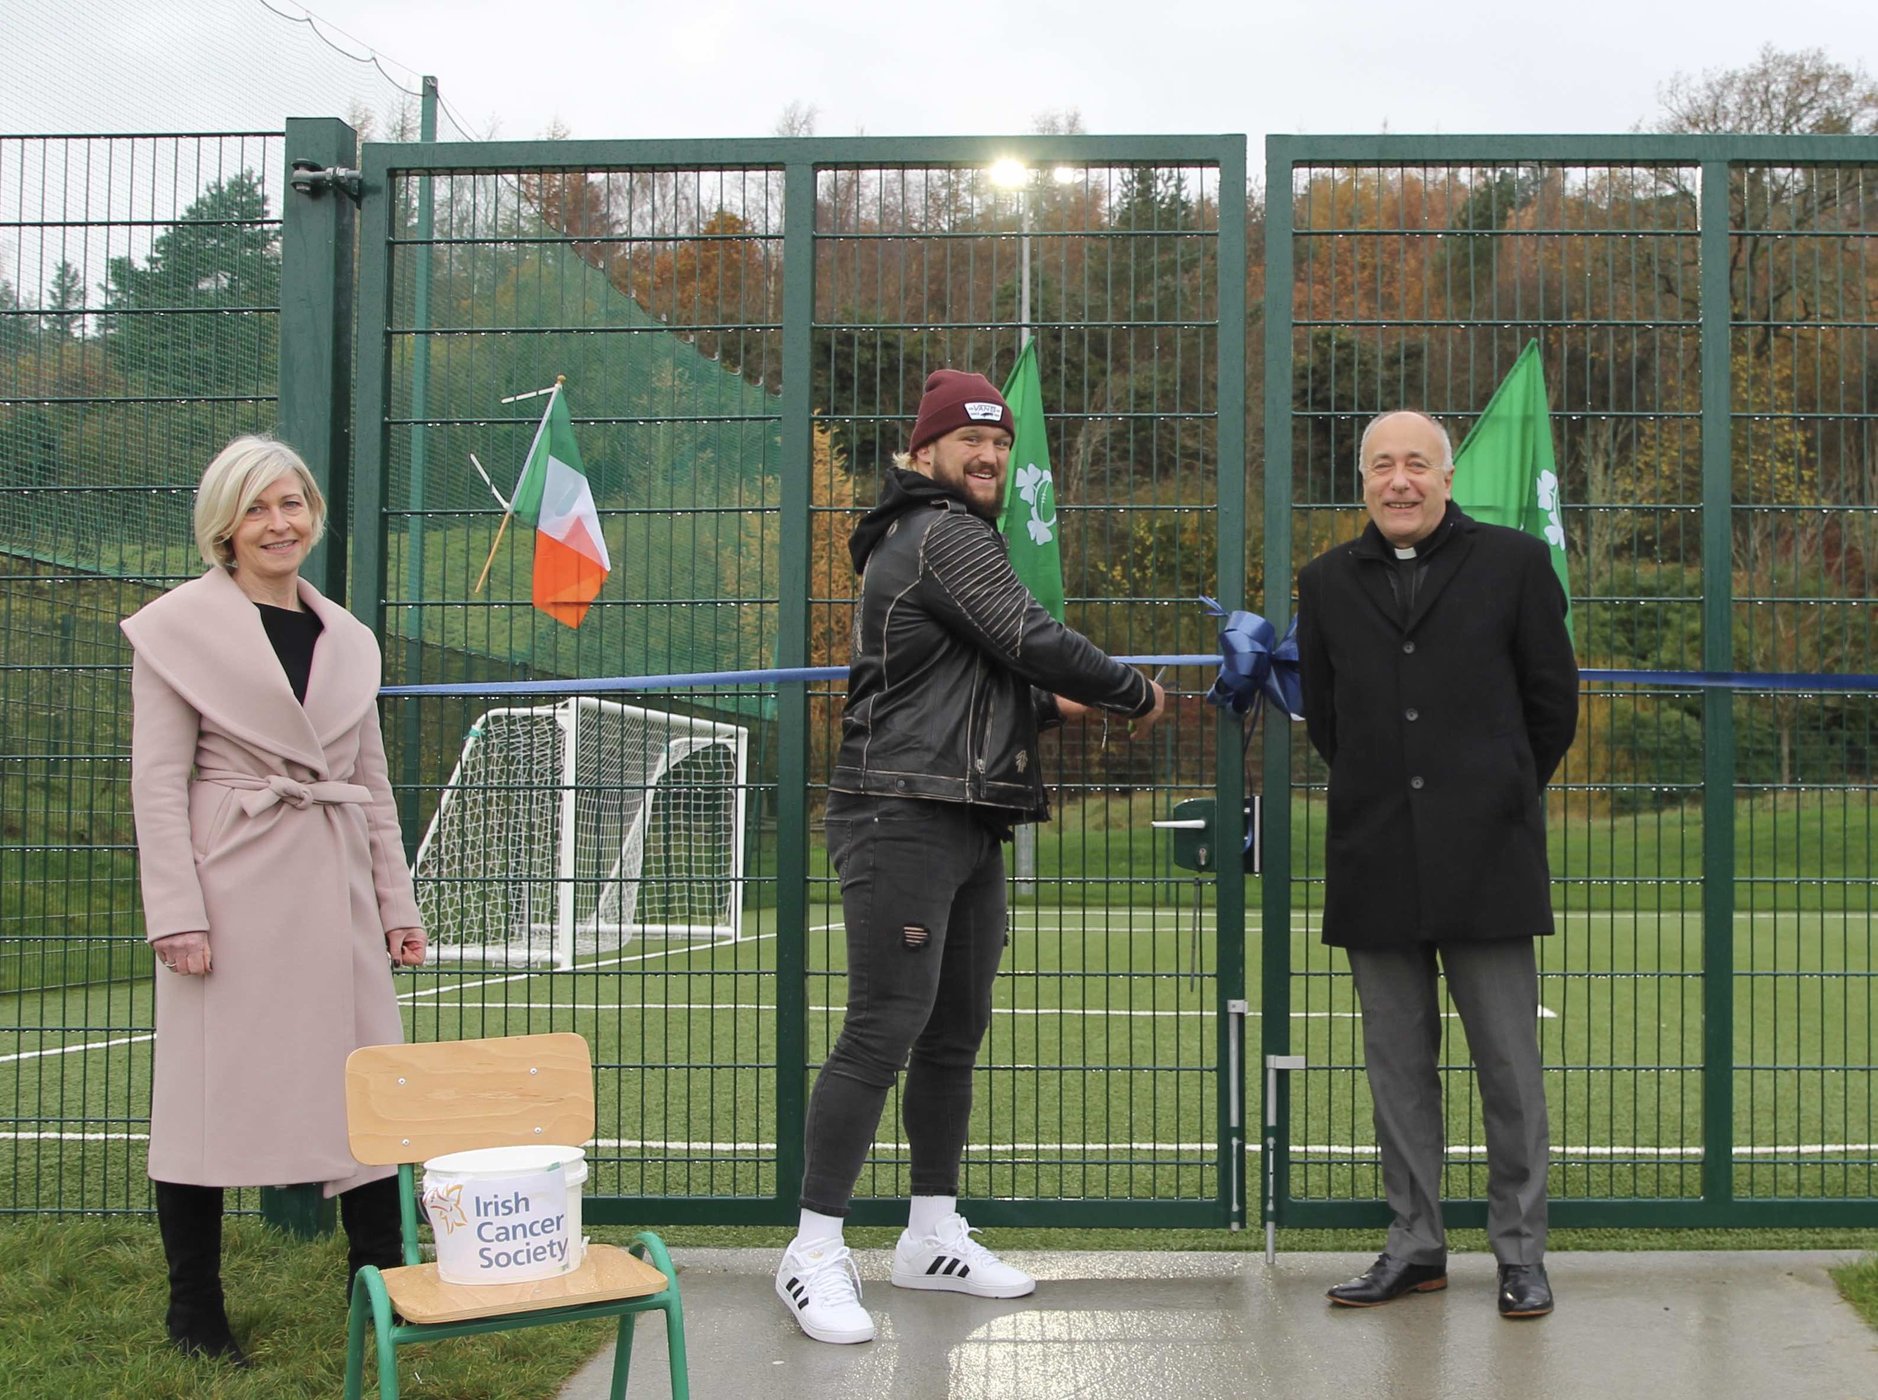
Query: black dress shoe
1388, 1279
1524, 1291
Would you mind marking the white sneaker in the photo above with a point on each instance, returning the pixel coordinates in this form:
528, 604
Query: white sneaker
953, 1262
822, 1290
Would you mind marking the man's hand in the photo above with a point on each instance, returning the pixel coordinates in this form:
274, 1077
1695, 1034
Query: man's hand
187, 953
1069, 709
1141, 724
406, 946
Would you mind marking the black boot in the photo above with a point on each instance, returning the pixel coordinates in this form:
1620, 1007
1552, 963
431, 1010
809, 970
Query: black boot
190, 1221
374, 1228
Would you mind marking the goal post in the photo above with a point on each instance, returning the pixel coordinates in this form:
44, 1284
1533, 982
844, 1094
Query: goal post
572, 828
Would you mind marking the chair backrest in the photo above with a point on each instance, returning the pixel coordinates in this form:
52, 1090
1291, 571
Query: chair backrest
408, 1103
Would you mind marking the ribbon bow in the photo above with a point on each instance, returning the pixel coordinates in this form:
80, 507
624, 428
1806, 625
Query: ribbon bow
1255, 665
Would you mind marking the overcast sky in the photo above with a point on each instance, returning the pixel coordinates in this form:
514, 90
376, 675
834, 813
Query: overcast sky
730, 67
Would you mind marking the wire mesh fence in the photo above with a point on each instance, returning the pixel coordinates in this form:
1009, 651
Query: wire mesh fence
1707, 1002
660, 292
139, 281
744, 331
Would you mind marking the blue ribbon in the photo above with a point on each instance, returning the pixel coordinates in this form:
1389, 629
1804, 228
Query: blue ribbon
1255, 665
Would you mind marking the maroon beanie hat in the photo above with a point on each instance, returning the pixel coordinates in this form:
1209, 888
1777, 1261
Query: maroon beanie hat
955, 399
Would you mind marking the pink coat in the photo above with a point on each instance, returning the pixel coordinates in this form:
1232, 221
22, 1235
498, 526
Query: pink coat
273, 827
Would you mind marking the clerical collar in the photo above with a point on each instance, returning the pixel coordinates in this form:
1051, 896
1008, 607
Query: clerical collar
1408, 553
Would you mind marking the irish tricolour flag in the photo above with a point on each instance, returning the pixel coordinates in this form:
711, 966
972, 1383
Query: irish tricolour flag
570, 553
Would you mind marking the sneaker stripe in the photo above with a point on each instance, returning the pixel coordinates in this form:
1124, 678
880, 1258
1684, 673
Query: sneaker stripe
933, 1267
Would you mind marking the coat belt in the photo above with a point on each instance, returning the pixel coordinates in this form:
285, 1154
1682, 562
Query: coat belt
275, 788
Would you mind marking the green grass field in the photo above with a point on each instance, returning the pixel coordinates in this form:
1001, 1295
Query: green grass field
1100, 1079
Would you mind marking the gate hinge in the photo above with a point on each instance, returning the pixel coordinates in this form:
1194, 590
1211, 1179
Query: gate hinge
310, 177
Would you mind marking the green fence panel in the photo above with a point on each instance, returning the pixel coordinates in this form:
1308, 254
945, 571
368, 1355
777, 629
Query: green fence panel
139, 281
1703, 308
744, 329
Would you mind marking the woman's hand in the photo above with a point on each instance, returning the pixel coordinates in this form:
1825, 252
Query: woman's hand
406, 946
187, 953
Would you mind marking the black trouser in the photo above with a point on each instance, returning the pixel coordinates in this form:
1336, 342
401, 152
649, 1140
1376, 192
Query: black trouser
922, 892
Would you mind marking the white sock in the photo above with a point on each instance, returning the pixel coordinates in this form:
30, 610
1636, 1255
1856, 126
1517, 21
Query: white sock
928, 1213
818, 1229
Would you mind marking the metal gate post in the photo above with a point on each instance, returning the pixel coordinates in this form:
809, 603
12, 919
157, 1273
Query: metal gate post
318, 231
1275, 882
1718, 727
792, 706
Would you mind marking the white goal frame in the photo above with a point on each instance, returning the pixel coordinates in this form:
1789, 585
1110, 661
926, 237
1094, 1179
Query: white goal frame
556, 942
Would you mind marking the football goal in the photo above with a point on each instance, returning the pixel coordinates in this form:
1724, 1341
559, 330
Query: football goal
570, 829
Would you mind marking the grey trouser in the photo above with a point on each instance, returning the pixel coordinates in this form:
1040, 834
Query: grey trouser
1495, 987
922, 893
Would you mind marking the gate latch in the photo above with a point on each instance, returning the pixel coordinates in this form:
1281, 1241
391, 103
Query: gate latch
310, 177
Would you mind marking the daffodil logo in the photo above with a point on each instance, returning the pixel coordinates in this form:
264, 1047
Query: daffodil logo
1038, 491
446, 1208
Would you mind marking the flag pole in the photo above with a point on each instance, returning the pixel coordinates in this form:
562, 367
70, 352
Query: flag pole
509, 511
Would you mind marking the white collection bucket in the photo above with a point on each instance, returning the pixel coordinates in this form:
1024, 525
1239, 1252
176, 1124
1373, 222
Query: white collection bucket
506, 1214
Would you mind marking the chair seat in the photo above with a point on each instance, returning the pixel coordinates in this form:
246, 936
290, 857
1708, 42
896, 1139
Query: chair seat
606, 1274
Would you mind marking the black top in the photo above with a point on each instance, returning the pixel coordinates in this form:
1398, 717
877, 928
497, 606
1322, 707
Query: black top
293, 634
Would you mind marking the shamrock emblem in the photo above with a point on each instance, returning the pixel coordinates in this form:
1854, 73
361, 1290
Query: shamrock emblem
1548, 492
1549, 504
1034, 485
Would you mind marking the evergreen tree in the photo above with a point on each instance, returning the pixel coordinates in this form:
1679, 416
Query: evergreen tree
16, 325
199, 317
65, 303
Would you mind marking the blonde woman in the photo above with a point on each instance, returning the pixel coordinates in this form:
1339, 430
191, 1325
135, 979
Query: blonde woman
276, 894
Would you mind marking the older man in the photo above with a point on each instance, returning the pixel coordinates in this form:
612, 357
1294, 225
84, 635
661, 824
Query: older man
955, 666
1440, 687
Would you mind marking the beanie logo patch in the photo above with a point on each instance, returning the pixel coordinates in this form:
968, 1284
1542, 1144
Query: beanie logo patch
985, 412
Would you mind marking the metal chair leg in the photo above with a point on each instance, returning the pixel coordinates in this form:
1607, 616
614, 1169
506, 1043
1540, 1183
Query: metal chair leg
623, 1356
355, 1342
675, 1345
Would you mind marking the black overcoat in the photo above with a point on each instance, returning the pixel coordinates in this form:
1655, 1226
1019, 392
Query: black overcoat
1441, 730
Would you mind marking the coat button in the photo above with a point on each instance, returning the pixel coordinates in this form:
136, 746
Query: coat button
1411, 714
1416, 783
900, 784
1407, 648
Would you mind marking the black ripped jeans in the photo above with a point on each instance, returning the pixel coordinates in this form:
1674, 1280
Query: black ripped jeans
922, 893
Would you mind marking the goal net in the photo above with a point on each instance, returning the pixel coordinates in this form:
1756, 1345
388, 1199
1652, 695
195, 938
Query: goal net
573, 828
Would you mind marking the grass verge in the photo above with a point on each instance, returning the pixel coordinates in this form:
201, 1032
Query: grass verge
84, 1304
85, 1298
1859, 1285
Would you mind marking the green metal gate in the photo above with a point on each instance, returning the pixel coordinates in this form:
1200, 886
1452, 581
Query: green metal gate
1705, 308
744, 328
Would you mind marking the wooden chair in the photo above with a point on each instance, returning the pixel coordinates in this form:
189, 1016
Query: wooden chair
408, 1103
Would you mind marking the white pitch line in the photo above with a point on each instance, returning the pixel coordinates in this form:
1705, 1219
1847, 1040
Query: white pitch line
513, 978
1545, 1013
1252, 1147
75, 1049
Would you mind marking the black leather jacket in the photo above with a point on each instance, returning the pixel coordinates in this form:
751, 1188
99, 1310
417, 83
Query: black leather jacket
955, 664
